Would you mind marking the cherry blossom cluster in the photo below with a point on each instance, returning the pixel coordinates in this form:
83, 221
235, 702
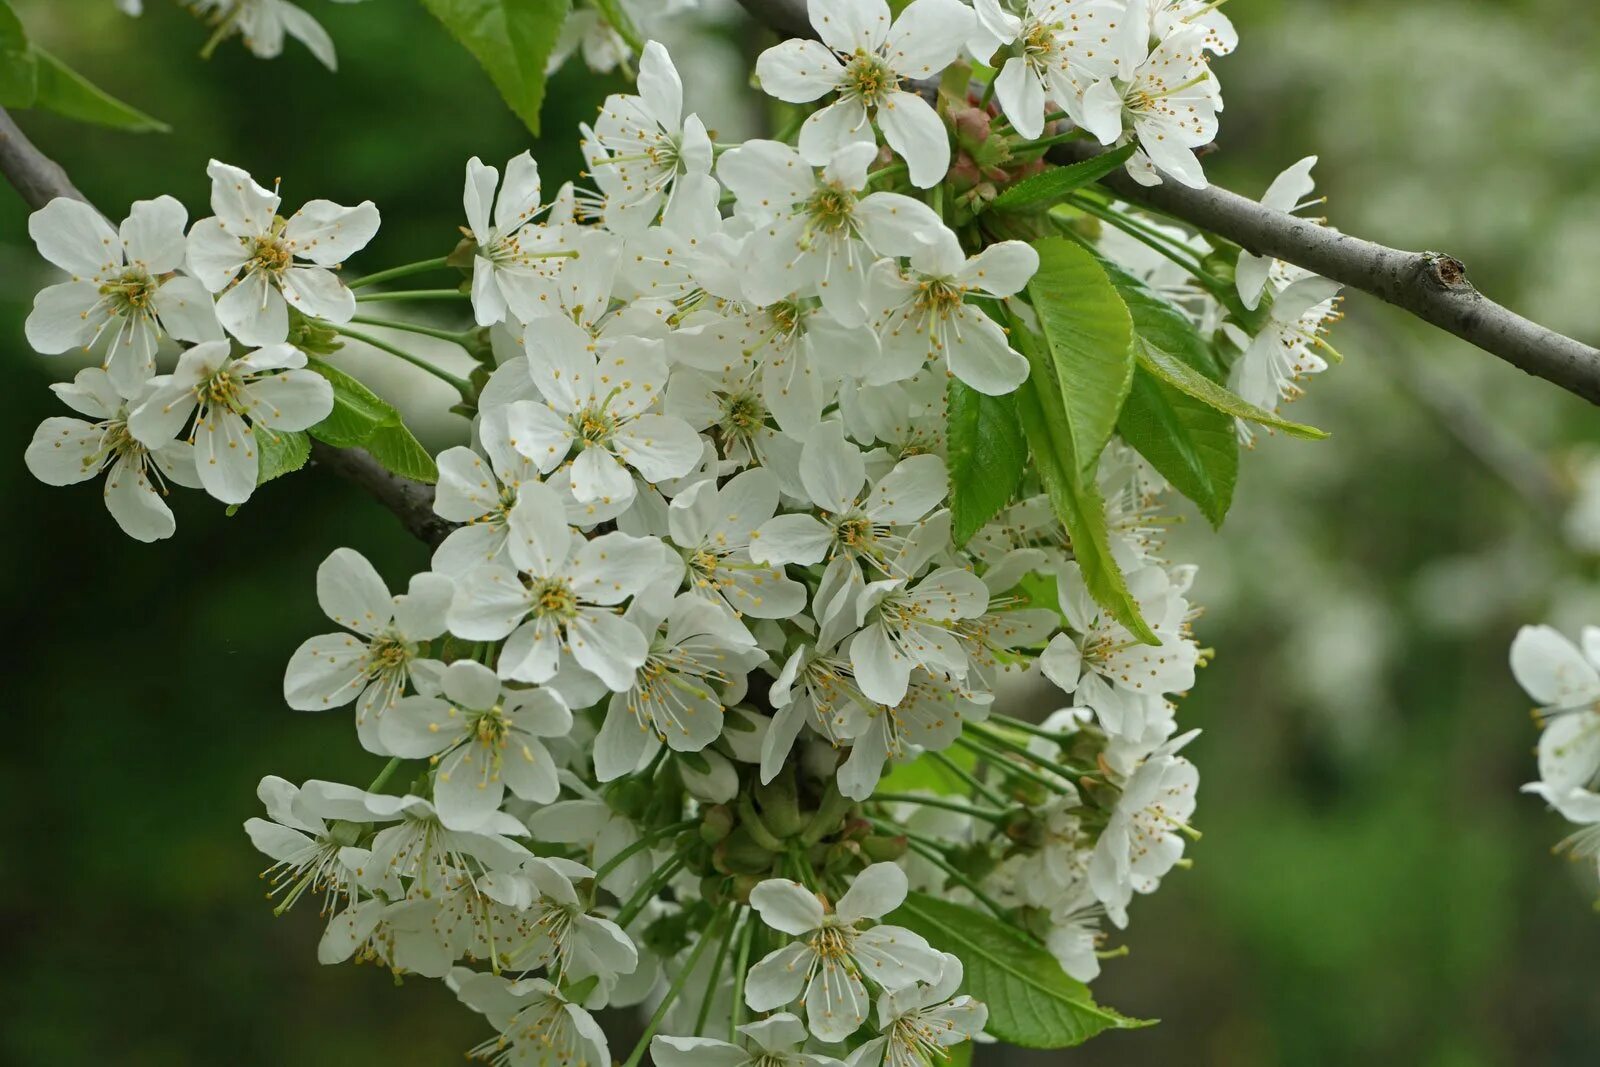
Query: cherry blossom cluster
1563, 679
700, 689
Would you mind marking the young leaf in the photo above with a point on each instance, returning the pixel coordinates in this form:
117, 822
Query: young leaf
1031, 1000
988, 456
1053, 184
1073, 493
362, 419
1089, 334
1186, 379
511, 40
66, 92
1189, 443
18, 78
281, 451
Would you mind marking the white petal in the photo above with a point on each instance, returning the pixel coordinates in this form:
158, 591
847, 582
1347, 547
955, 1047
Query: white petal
915, 130
64, 451
319, 293
135, 503
351, 592
876, 892
254, 311
848, 25
327, 233
64, 316
787, 906
152, 235
326, 671
226, 457
75, 237
798, 71
609, 647
238, 202
778, 978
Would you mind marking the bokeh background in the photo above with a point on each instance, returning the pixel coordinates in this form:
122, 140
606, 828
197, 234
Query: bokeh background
1370, 889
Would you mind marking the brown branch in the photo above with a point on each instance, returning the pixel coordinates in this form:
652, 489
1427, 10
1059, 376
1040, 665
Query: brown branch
39, 179
411, 501
1430, 285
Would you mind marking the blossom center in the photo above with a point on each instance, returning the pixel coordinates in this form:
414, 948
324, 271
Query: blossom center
868, 79
131, 293
388, 653
831, 208
554, 598
594, 425
939, 296
269, 253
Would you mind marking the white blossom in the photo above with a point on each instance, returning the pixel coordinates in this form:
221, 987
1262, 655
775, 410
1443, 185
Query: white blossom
65, 451
235, 404
125, 286
261, 263
833, 949
867, 59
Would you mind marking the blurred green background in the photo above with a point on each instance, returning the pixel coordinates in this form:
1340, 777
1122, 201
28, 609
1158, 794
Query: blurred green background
1370, 887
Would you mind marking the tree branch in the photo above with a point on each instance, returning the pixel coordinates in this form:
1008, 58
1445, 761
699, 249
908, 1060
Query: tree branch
411, 501
37, 177
1430, 285
40, 180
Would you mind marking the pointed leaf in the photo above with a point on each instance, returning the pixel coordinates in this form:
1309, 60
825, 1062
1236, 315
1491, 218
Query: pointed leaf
1089, 335
1186, 379
362, 419
511, 40
1188, 442
1057, 182
1031, 1000
18, 77
282, 452
66, 92
988, 456
1073, 493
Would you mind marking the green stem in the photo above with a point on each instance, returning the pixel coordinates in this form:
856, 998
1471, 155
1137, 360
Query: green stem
644, 842
672, 994
224, 27
987, 792
461, 385
716, 971
413, 294
455, 337
622, 23
1009, 766
930, 852
654, 885
741, 966
1066, 770
406, 270
1055, 139
939, 802
385, 774
1013, 723
1138, 233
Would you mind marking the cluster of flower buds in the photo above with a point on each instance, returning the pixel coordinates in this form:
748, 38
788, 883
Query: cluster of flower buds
701, 695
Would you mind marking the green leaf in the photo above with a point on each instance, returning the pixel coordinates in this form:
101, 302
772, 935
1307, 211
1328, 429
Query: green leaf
511, 40
1089, 334
1186, 379
281, 452
1031, 1000
926, 774
66, 92
1057, 182
362, 419
18, 74
988, 457
1073, 492
1189, 443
